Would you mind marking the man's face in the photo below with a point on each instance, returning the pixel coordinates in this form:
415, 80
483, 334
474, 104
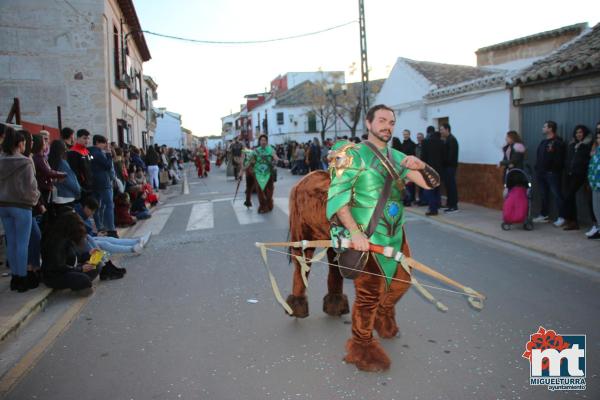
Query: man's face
420, 137
382, 125
443, 131
83, 140
406, 135
548, 131
579, 134
263, 142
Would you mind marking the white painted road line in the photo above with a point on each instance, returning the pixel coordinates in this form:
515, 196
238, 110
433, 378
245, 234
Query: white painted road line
156, 223
201, 217
246, 216
283, 204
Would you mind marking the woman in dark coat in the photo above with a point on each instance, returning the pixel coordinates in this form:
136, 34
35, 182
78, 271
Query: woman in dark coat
63, 264
513, 151
576, 168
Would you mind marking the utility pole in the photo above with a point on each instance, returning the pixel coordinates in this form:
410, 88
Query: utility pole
364, 66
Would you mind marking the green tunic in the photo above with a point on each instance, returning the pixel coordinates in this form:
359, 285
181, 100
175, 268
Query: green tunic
357, 180
248, 158
263, 163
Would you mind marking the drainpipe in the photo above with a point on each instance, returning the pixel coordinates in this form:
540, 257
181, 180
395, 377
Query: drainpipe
109, 40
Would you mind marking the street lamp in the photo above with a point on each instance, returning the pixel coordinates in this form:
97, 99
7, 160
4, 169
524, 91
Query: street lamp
332, 93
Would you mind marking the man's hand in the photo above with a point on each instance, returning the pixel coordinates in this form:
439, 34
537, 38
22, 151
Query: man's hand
360, 241
412, 163
88, 267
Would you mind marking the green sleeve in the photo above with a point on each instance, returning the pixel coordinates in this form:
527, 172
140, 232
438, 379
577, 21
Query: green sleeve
398, 157
344, 174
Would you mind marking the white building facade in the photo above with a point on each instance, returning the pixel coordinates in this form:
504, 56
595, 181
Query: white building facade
168, 129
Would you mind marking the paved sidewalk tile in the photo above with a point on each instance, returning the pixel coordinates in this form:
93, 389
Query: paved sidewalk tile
570, 246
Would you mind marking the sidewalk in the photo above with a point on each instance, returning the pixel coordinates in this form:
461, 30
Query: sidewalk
17, 308
570, 246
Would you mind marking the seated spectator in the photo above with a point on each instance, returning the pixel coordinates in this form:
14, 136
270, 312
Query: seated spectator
97, 239
18, 195
66, 257
67, 191
123, 211
45, 175
139, 209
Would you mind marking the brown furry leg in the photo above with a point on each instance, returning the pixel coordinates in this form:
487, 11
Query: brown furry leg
362, 349
385, 320
297, 300
335, 304
299, 306
367, 356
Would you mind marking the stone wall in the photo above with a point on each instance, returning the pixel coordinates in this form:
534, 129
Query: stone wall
52, 55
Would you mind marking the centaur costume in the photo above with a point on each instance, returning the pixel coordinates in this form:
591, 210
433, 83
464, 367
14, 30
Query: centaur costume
264, 175
357, 180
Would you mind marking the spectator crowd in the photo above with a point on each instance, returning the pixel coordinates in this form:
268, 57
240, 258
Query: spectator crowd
62, 201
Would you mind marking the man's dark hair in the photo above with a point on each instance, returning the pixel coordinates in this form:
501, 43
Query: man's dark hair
263, 136
447, 126
11, 141
38, 144
374, 109
83, 132
430, 130
99, 139
552, 125
66, 133
90, 203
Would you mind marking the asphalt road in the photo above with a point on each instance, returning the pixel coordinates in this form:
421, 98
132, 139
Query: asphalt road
180, 326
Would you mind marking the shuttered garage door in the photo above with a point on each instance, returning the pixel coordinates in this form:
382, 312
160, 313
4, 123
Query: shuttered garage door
567, 115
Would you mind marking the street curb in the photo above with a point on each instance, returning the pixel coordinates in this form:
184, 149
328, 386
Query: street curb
31, 308
578, 262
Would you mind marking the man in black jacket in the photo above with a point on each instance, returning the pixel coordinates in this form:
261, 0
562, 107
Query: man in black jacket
433, 154
549, 166
450, 165
408, 147
80, 161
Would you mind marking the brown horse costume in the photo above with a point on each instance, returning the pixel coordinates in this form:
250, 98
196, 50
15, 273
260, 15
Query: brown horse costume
308, 200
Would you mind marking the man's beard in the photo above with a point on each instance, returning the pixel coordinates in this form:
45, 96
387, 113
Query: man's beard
377, 135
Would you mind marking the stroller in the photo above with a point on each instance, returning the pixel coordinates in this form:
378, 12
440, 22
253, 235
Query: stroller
517, 200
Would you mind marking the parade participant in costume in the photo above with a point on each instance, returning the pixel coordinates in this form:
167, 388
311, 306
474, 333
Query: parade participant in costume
247, 168
264, 155
202, 161
358, 180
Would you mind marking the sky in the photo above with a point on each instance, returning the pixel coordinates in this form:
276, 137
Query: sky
206, 82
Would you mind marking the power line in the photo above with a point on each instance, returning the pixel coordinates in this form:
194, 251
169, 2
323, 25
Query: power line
248, 41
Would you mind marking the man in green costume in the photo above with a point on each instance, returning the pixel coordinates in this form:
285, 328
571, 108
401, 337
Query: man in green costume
357, 182
263, 158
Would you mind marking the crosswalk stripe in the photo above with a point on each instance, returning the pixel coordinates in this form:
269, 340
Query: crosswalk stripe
246, 216
283, 204
201, 217
156, 223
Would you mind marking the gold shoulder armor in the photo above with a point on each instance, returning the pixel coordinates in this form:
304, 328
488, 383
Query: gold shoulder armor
339, 159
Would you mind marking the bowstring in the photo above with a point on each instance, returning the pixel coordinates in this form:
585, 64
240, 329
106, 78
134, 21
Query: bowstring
375, 274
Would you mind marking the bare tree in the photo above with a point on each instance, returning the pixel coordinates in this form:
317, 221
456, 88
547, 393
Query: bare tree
349, 103
320, 105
